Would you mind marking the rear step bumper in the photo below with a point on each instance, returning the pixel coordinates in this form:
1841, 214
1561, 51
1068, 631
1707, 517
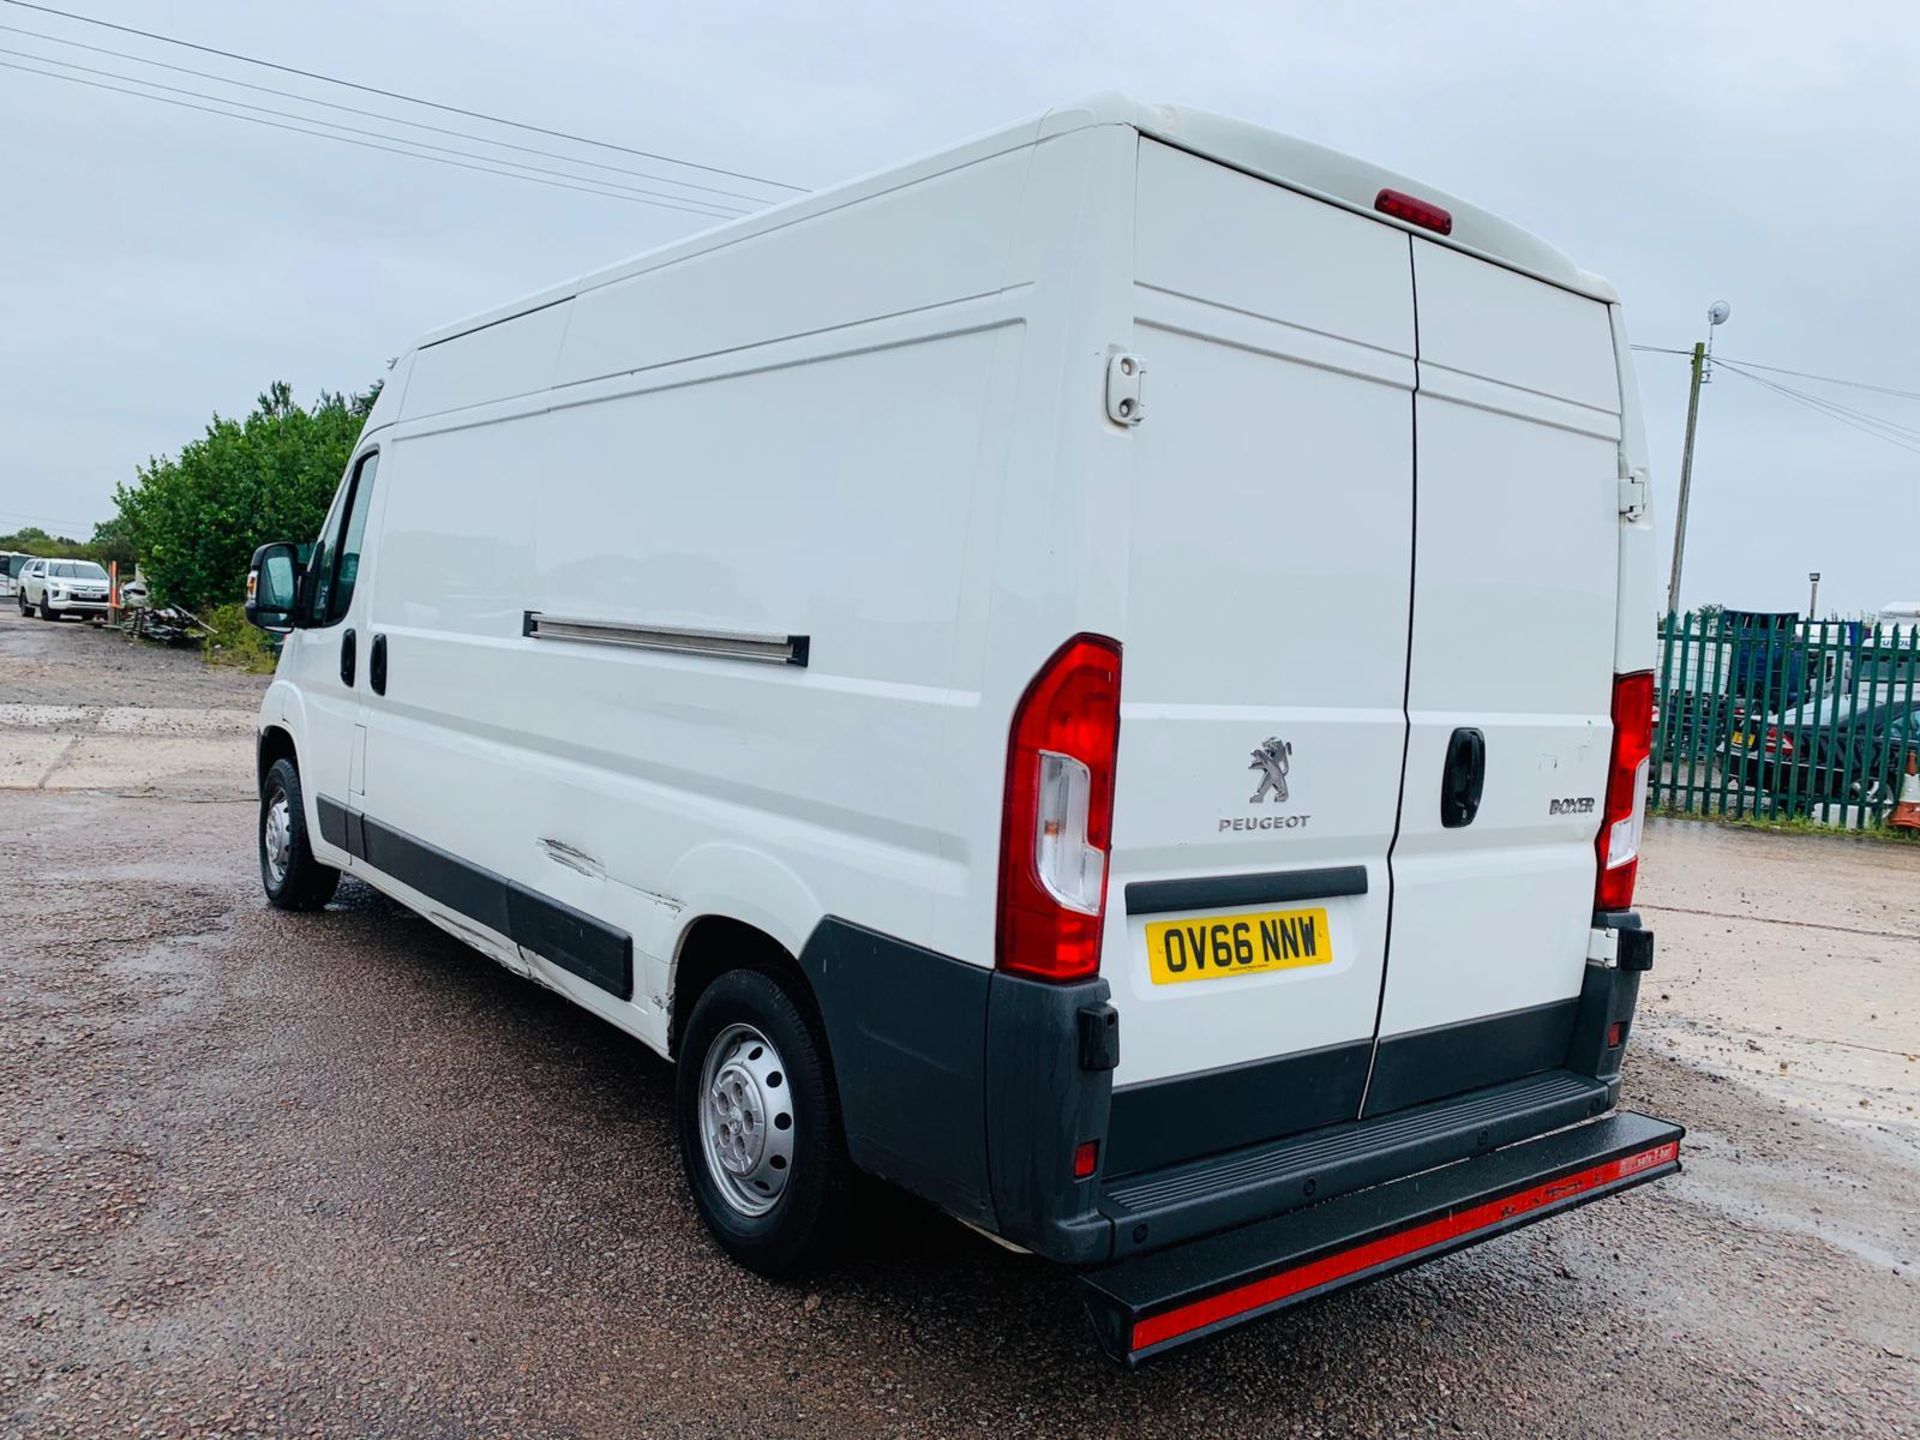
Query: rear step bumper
1155, 1302
1156, 1209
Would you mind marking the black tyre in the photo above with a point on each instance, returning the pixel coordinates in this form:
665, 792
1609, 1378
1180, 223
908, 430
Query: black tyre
759, 1124
292, 878
46, 610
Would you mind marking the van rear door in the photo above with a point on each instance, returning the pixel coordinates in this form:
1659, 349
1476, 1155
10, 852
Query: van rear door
1517, 533
1262, 730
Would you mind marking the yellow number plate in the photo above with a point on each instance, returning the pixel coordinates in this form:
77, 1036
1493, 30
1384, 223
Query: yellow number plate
1237, 944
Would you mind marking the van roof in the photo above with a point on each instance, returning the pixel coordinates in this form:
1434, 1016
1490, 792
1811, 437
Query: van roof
1296, 164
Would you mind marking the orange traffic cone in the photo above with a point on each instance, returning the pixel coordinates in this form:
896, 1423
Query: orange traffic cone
1906, 813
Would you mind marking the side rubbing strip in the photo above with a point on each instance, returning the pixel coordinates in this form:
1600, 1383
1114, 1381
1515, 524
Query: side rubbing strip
592, 949
714, 644
1156, 897
333, 823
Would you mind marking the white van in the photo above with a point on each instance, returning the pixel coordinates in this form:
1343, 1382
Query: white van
1102, 677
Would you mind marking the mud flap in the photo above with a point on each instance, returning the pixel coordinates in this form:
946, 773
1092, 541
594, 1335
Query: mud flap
1150, 1304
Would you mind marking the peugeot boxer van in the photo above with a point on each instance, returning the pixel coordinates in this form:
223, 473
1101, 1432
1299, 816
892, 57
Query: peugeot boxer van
1101, 677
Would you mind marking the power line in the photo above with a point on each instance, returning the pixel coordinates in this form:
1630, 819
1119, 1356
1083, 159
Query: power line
48, 520
1857, 419
1834, 380
1827, 408
370, 114
399, 95
1782, 370
687, 201
1834, 406
588, 187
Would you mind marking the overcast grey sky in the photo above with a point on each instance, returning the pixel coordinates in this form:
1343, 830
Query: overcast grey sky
157, 265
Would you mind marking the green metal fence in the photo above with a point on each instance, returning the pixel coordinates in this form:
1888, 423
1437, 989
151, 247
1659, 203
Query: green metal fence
1774, 716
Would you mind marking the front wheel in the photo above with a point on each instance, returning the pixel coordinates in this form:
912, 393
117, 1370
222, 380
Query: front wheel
46, 610
292, 878
759, 1124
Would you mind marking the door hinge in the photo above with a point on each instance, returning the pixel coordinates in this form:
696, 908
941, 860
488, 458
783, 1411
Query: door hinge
1125, 405
1633, 496
1603, 947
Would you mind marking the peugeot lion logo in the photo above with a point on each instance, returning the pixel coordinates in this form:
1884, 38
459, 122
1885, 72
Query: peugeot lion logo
1271, 758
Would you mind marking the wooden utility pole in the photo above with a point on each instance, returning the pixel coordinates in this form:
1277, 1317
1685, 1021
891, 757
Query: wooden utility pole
1686, 476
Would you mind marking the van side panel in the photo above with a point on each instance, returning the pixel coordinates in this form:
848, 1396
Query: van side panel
756, 457
826, 499
498, 362
931, 243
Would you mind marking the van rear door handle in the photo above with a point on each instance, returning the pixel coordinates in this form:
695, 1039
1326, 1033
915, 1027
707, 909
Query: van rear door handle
377, 665
1463, 778
349, 647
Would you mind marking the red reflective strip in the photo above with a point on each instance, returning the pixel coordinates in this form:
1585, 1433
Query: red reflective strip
1187, 1318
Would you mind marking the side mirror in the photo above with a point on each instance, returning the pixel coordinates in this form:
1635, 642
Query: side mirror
273, 588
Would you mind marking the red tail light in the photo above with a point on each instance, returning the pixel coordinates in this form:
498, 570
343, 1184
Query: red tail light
1413, 210
1618, 844
1057, 824
1781, 744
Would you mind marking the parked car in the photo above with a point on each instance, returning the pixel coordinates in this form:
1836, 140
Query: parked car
62, 587
935, 660
1847, 748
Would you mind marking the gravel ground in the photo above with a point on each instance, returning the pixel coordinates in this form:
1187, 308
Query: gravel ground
338, 1175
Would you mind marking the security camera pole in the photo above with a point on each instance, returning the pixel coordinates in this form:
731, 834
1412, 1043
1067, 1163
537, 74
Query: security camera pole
1716, 315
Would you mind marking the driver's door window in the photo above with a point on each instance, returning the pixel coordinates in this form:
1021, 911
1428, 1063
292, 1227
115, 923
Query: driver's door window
335, 567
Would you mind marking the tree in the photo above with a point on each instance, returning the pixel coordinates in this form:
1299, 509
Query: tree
32, 540
111, 543
195, 519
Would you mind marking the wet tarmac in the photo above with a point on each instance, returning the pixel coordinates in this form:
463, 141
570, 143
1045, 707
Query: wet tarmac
336, 1174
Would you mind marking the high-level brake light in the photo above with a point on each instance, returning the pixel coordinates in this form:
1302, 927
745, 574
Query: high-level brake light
1057, 822
1618, 844
1414, 210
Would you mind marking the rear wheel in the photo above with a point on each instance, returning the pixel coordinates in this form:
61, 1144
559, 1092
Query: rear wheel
759, 1124
292, 878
